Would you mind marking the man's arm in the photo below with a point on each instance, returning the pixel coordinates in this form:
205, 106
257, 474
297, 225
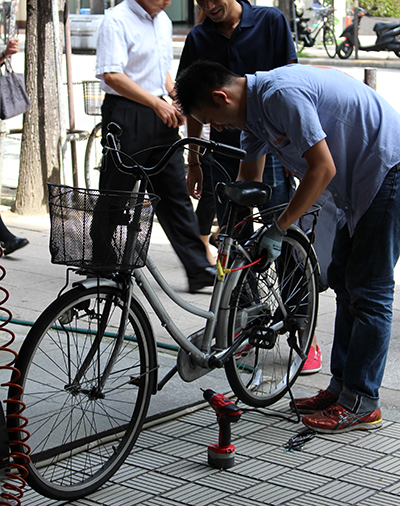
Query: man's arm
321, 170
194, 180
251, 171
123, 85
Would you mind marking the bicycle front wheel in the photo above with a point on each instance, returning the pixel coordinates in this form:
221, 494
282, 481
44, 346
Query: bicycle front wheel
86, 391
265, 365
93, 158
329, 41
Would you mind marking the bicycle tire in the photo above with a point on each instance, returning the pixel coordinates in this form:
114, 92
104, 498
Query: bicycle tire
344, 50
329, 41
78, 436
258, 376
93, 158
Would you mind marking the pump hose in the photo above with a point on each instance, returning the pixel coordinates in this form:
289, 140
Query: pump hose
17, 434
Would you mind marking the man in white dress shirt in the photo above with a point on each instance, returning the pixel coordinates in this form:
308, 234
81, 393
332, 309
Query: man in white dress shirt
134, 55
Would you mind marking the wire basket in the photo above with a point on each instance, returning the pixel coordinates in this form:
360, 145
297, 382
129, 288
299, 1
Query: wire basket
100, 230
93, 97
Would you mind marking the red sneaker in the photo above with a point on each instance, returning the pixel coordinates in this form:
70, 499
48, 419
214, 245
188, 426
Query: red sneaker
319, 402
314, 361
337, 419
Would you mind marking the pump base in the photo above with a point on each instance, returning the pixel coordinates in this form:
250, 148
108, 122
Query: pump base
221, 457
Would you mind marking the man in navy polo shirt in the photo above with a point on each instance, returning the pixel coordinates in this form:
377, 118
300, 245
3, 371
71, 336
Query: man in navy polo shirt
245, 39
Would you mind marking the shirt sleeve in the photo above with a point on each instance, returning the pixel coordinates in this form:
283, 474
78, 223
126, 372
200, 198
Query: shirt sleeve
189, 54
285, 50
112, 53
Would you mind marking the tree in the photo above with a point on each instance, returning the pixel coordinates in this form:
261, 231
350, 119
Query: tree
286, 7
96, 6
40, 160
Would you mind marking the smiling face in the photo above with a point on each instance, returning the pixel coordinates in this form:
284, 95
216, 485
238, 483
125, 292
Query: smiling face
217, 10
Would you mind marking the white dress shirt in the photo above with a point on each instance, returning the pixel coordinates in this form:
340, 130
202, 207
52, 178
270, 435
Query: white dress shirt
132, 43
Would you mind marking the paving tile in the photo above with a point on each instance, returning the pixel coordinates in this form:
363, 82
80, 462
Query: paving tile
380, 443
187, 470
149, 459
255, 468
153, 482
312, 500
353, 455
387, 464
300, 480
228, 482
328, 467
375, 479
195, 495
286, 458
344, 493
268, 493
381, 499
118, 495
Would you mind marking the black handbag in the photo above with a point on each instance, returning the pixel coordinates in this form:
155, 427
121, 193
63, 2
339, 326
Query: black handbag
13, 97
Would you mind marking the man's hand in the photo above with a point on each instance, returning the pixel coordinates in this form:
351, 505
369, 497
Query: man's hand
270, 246
168, 113
194, 181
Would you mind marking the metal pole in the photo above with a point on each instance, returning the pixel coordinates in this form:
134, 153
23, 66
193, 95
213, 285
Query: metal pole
68, 54
370, 77
356, 29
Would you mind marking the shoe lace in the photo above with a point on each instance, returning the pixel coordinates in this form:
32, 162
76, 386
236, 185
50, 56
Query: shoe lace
335, 409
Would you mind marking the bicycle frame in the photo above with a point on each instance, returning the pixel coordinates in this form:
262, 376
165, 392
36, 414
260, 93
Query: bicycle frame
197, 346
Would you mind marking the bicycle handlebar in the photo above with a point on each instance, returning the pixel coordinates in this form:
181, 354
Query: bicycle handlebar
210, 148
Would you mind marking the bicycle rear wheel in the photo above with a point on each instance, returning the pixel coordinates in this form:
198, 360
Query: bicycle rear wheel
262, 369
82, 430
329, 41
93, 158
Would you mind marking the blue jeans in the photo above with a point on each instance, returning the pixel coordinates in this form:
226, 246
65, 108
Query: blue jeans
361, 273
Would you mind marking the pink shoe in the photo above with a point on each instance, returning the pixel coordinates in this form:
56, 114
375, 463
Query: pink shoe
314, 361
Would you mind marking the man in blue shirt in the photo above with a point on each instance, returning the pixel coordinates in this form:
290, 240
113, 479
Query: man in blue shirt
244, 39
337, 134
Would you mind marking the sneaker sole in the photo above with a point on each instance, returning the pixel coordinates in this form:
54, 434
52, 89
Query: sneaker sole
309, 371
359, 426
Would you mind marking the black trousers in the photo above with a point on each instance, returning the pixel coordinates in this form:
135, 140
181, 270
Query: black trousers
141, 129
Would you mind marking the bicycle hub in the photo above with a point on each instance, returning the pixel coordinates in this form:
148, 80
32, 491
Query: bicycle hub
222, 454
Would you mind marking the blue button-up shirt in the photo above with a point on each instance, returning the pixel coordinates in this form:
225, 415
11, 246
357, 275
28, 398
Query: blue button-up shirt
292, 108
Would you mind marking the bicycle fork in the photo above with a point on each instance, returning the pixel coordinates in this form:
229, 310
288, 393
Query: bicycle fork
96, 392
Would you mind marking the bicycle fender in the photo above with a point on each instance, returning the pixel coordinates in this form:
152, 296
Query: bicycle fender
297, 230
91, 282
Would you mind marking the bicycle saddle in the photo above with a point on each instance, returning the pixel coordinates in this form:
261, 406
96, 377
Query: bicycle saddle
244, 193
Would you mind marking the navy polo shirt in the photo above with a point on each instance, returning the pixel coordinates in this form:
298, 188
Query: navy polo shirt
261, 41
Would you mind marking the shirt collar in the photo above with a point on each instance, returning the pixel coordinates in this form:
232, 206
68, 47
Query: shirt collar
246, 20
138, 9
251, 104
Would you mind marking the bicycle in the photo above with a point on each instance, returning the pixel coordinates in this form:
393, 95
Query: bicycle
93, 98
305, 37
89, 364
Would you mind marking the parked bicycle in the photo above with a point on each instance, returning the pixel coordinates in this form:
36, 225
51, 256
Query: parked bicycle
93, 98
89, 363
306, 37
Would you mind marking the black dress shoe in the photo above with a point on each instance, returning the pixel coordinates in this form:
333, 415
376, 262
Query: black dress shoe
202, 279
13, 245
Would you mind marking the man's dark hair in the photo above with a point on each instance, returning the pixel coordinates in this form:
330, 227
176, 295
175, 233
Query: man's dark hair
195, 84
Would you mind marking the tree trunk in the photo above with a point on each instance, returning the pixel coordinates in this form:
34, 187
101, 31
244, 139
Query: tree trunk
286, 7
39, 161
96, 6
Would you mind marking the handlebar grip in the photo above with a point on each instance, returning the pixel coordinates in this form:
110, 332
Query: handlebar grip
230, 151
